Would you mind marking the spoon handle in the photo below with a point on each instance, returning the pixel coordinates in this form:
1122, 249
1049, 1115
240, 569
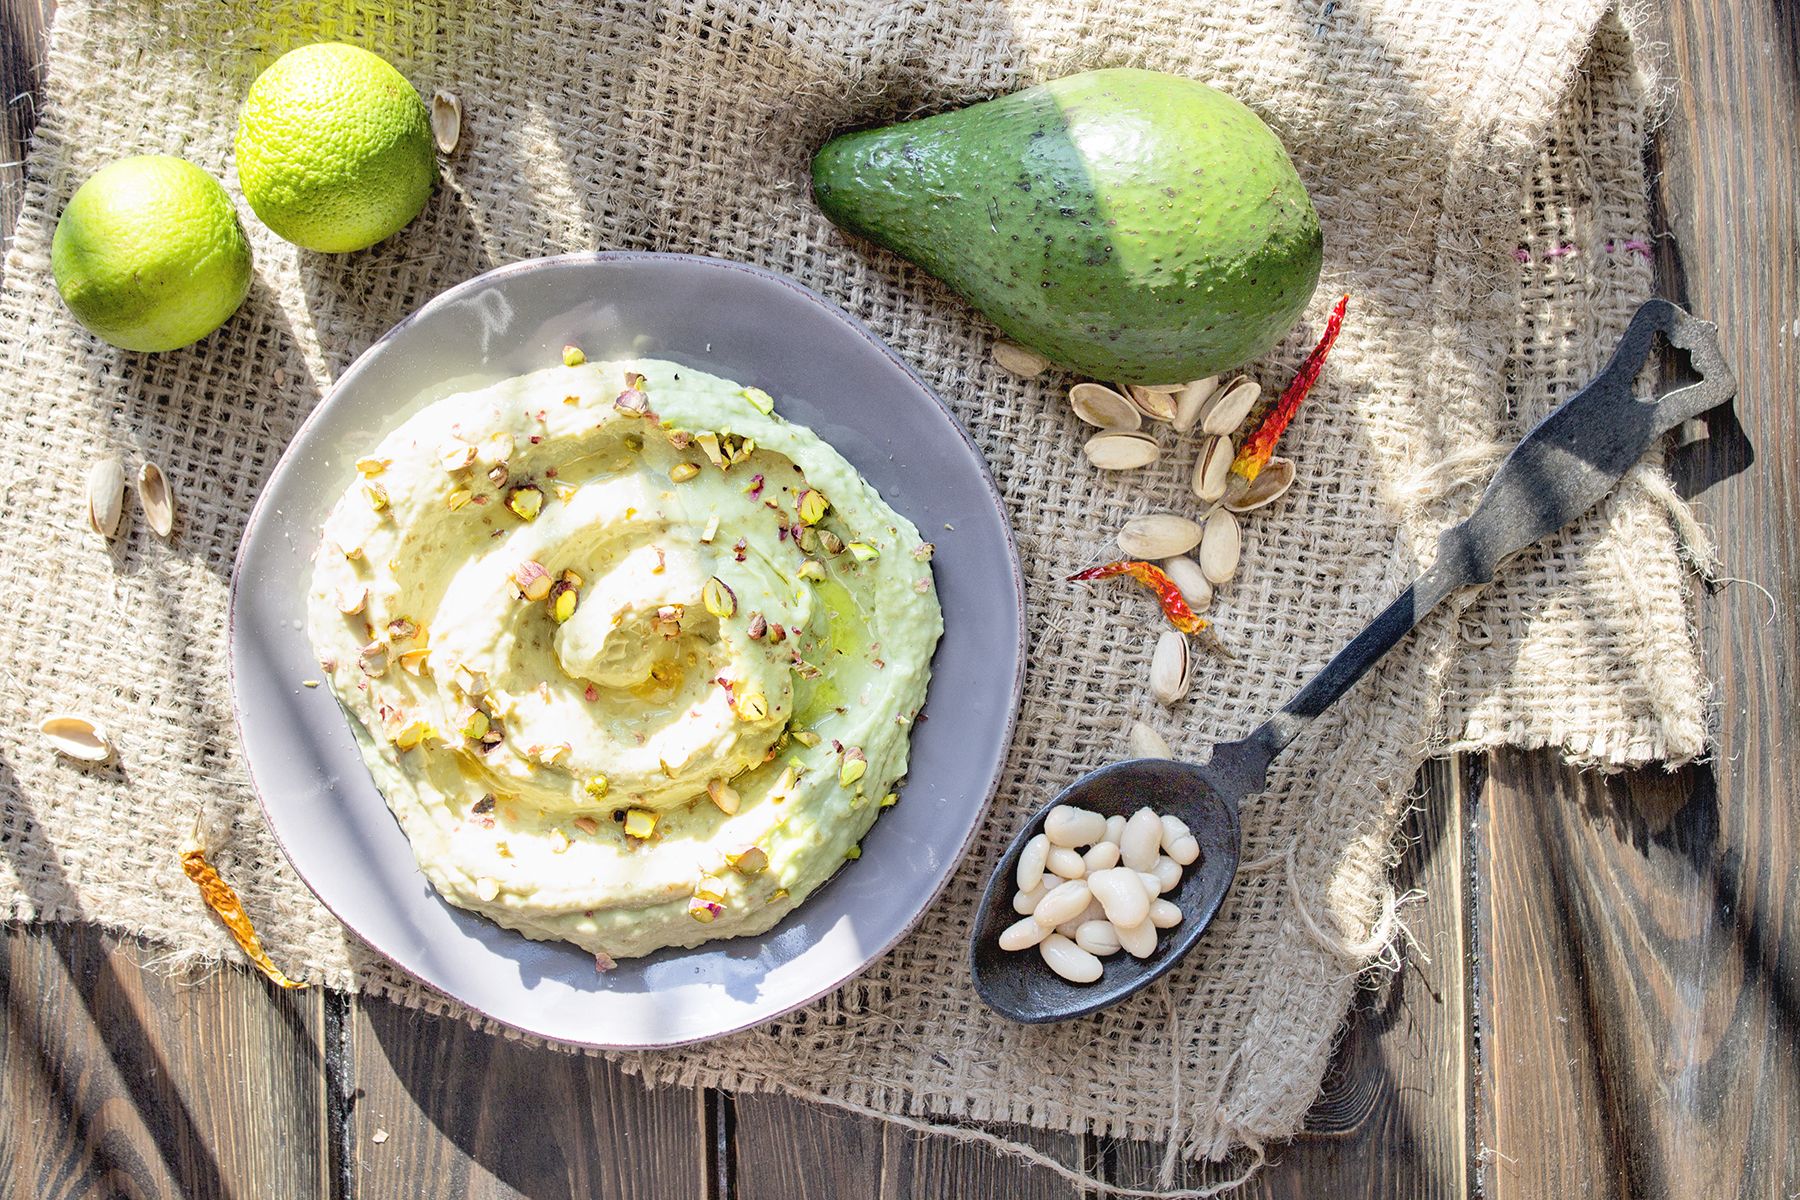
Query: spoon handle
1563, 467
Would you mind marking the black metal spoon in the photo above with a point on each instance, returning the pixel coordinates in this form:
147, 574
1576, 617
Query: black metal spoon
1562, 468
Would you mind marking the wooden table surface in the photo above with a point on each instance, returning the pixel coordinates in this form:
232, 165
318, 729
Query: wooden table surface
1611, 1006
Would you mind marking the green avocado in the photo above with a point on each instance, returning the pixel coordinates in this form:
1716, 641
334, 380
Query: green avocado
1131, 225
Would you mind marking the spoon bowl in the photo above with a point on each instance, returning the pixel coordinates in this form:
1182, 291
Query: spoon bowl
1019, 985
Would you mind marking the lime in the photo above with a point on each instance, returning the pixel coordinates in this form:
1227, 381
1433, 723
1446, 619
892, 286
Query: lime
334, 148
149, 254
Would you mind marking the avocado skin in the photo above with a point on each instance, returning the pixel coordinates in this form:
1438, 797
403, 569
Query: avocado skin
1131, 225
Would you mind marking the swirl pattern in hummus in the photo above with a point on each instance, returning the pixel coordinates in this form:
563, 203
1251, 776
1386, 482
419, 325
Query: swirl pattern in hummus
633, 659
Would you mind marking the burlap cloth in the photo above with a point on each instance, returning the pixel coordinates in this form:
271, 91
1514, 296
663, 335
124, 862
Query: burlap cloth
1477, 166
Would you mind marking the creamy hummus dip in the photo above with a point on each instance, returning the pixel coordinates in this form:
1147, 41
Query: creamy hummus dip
633, 659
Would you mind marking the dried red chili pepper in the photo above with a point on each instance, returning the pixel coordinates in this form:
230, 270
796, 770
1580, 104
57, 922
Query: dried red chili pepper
1257, 448
1174, 605
224, 902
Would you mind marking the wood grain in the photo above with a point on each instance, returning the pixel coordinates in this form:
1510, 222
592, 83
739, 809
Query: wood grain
116, 1081
1393, 1119
437, 1108
786, 1149
24, 33
1639, 992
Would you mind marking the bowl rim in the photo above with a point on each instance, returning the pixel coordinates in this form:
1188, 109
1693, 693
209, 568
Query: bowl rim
853, 325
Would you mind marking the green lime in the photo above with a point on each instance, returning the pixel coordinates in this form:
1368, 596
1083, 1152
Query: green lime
149, 254
334, 148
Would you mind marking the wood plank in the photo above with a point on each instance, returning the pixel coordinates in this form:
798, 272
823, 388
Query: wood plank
1393, 1119
118, 1081
24, 37
787, 1149
1639, 999
436, 1108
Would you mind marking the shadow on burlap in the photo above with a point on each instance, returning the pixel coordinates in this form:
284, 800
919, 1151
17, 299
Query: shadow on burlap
1477, 168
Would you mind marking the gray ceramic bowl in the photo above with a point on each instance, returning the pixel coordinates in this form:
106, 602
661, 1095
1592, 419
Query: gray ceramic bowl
825, 370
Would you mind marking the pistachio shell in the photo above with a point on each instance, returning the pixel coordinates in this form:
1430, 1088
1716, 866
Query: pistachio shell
1100, 406
1220, 546
76, 736
1227, 412
1191, 400
158, 499
1156, 403
1213, 468
446, 120
1120, 451
1270, 485
1017, 360
1159, 535
106, 495
1171, 667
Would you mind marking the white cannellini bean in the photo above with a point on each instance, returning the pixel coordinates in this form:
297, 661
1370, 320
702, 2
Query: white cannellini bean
1068, 928
1168, 874
1165, 914
1152, 885
1142, 839
1102, 856
1093, 912
1185, 851
1031, 862
1098, 937
1025, 902
1069, 960
1138, 940
1174, 829
1022, 935
1070, 826
1115, 829
1121, 894
1063, 903
1065, 862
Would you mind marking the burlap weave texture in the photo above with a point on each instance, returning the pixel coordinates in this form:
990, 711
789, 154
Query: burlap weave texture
1475, 164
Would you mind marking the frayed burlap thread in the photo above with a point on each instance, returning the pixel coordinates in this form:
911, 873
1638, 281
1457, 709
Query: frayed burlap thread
1451, 148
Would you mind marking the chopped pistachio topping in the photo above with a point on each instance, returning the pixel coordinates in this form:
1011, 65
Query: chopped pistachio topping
711, 531
812, 506
718, 597
760, 400
753, 860
853, 853
456, 454
862, 551
806, 737
704, 911
595, 786
751, 706
377, 496
411, 734
474, 723
640, 823
681, 472
724, 797
487, 888
572, 356
810, 569
458, 499
891, 799
855, 766
532, 580
373, 466
526, 501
